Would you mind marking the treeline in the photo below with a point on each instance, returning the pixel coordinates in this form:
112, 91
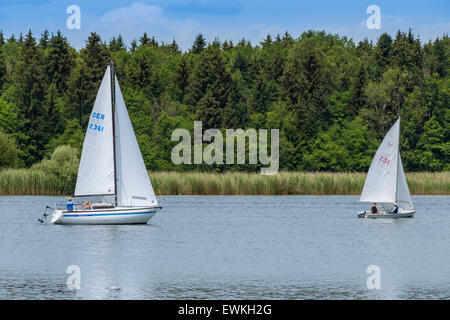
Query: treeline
332, 99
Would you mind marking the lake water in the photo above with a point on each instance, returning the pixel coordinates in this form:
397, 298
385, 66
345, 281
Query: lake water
229, 247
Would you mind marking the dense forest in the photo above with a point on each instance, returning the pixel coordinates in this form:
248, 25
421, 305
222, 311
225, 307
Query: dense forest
332, 99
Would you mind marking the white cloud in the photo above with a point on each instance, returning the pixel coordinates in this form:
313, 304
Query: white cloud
216, 7
137, 13
134, 20
392, 23
432, 32
260, 31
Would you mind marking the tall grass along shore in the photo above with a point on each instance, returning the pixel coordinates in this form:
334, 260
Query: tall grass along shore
36, 182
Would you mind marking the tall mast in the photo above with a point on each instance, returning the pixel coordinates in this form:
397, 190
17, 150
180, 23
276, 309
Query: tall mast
113, 109
398, 159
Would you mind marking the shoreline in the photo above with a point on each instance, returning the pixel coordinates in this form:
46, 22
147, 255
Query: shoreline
35, 182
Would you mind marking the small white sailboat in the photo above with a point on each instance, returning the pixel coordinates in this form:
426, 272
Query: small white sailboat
386, 182
111, 165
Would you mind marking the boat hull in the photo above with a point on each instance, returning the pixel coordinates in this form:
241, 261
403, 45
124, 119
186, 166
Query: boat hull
401, 214
105, 216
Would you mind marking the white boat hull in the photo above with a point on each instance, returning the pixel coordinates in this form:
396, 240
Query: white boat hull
105, 216
386, 215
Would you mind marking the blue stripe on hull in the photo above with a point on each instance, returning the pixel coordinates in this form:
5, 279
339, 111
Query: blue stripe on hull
103, 214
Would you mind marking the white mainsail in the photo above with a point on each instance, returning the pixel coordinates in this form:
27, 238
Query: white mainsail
385, 181
134, 187
97, 165
96, 170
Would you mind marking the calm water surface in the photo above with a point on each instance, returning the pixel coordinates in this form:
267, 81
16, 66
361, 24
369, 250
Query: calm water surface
231, 247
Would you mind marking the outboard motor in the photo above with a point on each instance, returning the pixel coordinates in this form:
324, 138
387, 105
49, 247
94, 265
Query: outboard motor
44, 215
362, 214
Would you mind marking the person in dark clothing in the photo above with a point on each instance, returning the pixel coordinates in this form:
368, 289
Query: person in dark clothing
394, 209
374, 209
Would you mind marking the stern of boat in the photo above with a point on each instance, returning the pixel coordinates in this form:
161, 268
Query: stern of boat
56, 216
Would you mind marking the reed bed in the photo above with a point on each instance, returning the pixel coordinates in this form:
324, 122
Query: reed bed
285, 183
32, 182
35, 182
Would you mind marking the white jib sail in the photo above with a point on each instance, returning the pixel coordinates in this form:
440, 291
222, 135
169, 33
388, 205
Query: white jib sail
403, 196
134, 188
381, 181
96, 170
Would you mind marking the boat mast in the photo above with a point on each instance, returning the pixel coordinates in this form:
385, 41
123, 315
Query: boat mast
398, 160
113, 109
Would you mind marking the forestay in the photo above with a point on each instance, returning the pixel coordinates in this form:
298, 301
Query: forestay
96, 170
134, 187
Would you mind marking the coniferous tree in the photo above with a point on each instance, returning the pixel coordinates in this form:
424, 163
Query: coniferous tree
267, 42
96, 57
181, 78
44, 40
144, 40
261, 97
77, 98
276, 65
216, 43
211, 75
116, 44
290, 84
86, 77
407, 52
198, 81
441, 54
240, 62
59, 62
29, 97
220, 82
2, 61
364, 48
153, 42
120, 43
199, 44
227, 46
383, 51
277, 39
54, 123
287, 40
174, 47
133, 46
208, 111
2, 39
358, 95
314, 113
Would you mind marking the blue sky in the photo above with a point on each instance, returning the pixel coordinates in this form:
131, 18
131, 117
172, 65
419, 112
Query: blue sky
227, 19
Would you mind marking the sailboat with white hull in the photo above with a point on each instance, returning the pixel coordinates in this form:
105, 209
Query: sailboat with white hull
386, 182
111, 165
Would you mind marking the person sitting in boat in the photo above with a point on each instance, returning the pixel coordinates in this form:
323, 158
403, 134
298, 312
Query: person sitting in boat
70, 204
87, 205
395, 208
374, 209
